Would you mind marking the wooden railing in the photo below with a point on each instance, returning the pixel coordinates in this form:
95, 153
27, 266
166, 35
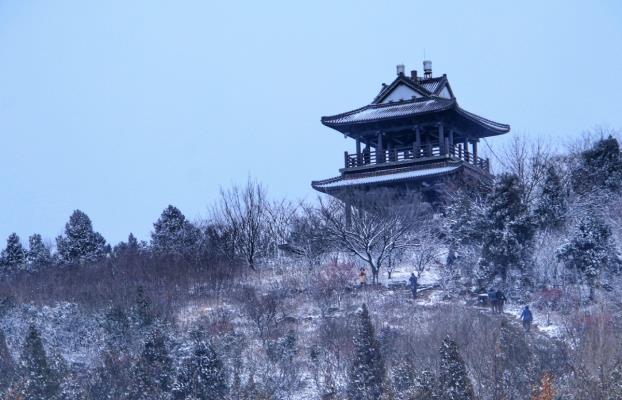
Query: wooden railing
372, 157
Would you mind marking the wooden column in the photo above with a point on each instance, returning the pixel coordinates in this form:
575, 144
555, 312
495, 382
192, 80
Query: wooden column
417, 143
451, 143
345, 159
359, 156
465, 146
441, 139
379, 149
475, 151
428, 146
391, 152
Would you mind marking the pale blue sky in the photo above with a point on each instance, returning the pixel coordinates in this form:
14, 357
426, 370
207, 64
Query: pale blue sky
121, 107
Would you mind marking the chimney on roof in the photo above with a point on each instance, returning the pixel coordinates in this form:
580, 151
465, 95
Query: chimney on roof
400, 69
427, 69
413, 75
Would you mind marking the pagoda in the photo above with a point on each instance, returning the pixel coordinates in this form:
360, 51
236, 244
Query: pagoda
412, 137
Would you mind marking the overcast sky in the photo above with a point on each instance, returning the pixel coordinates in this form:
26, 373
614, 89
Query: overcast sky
119, 108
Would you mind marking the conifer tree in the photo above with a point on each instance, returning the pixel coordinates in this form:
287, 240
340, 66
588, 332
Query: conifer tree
508, 236
14, 254
454, 382
202, 376
590, 249
152, 376
466, 219
128, 250
552, 205
39, 254
600, 167
367, 374
174, 235
143, 310
80, 244
39, 380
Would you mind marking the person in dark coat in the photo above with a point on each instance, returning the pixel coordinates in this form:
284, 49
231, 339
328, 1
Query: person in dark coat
500, 299
413, 284
527, 318
492, 300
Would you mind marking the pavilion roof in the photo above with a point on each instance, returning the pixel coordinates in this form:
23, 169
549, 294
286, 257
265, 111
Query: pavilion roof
424, 97
384, 177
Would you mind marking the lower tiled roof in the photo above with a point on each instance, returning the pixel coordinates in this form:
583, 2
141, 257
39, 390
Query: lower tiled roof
385, 177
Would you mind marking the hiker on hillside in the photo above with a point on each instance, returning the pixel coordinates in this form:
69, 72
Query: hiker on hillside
363, 277
500, 300
413, 284
527, 318
492, 300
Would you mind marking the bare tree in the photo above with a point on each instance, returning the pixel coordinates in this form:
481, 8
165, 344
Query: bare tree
529, 161
306, 237
372, 233
280, 217
425, 246
243, 214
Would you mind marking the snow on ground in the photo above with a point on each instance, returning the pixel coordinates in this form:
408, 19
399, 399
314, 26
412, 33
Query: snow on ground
402, 273
551, 328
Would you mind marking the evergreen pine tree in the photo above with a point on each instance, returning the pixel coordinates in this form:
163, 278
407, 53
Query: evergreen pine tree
552, 205
367, 374
14, 254
466, 219
152, 375
202, 376
39, 380
39, 254
454, 382
510, 231
143, 310
590, 249
600, 167
174, 235
80, 244
128, 250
